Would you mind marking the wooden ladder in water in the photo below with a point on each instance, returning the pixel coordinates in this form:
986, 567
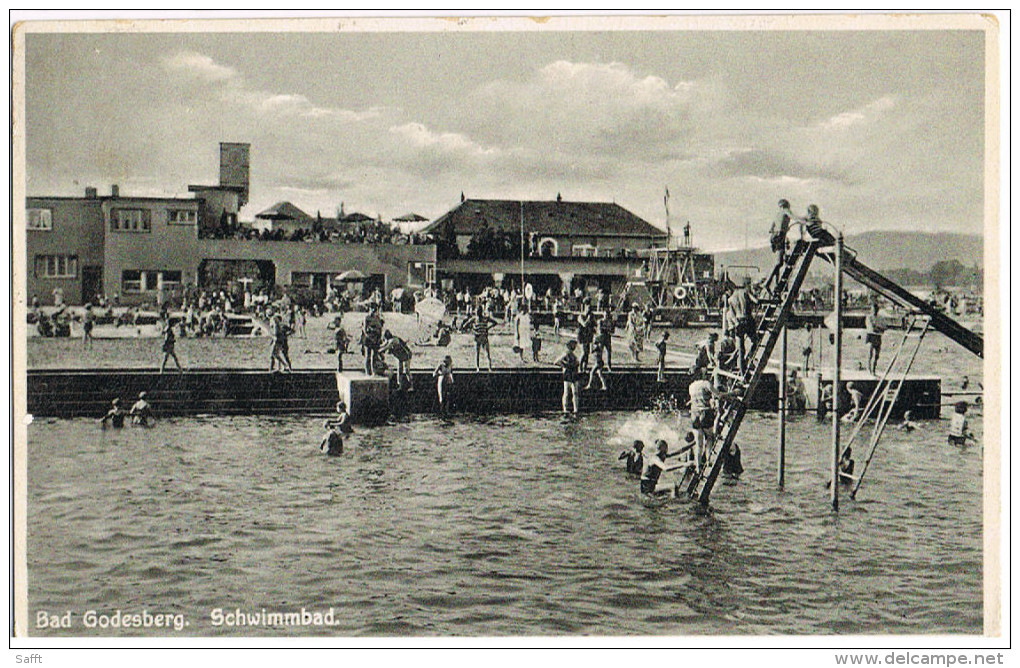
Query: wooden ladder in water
782, 289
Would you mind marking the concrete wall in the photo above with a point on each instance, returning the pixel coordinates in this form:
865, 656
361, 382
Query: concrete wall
77, 230
227, 392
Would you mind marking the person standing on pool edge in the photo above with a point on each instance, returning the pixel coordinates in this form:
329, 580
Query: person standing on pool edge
372, 329
660, 376
570, 365
873, 335
169, 342
481, 324
88, 322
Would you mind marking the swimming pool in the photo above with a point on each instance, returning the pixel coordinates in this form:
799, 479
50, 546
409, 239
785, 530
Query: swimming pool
506, 525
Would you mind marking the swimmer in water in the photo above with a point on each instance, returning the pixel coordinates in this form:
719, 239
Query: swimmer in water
958, 431
333, 441
635, 457
652, 468
654, 465
141, 411
732, 466
846, 465
115, 416
907, 425
444, 383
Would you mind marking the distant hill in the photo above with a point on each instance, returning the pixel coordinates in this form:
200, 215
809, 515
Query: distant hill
886, 251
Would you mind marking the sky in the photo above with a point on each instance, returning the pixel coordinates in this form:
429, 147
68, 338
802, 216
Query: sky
881, 129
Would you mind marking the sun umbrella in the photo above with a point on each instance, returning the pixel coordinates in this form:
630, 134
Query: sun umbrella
430, 308
351, 275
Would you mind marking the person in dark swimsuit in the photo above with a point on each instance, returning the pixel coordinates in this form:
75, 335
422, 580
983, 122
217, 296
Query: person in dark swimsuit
115, 416
169, 343
570, 365
635, 457
333, 441
732, 467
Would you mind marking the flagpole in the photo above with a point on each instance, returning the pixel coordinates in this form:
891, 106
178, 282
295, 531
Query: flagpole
669, 234
522, 250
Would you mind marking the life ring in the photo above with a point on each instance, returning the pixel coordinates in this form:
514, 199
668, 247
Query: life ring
679, 293
529, 292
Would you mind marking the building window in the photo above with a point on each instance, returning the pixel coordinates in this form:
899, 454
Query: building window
548, 247
56, 266
130, 220
40, 219
584, 250
134, 281
421, 274
181, 217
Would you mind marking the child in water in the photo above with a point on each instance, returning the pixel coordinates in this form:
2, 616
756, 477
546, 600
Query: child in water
333, 441
114, 416
444, 383
958, 432
907, 425
635, 457
141, 411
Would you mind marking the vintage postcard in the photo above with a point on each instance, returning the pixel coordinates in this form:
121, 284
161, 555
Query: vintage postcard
508, 327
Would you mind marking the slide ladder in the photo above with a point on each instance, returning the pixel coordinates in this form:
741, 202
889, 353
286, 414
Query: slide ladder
782, 290
881, 402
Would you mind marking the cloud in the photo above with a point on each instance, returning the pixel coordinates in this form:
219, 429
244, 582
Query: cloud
776, 164
868, 112
199, 66
420, 137
229, 87
588, 109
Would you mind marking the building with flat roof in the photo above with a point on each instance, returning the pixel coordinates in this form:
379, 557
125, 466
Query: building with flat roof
149, 249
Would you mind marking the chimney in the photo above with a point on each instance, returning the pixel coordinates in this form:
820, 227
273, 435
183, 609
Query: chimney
91, 193
114, 190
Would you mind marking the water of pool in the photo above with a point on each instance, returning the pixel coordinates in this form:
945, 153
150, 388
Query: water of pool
510, 525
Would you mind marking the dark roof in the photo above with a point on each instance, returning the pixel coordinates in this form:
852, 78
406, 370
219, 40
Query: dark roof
284, 211
546, 217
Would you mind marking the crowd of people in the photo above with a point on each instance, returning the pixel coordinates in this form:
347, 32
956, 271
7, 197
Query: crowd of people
374, 232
